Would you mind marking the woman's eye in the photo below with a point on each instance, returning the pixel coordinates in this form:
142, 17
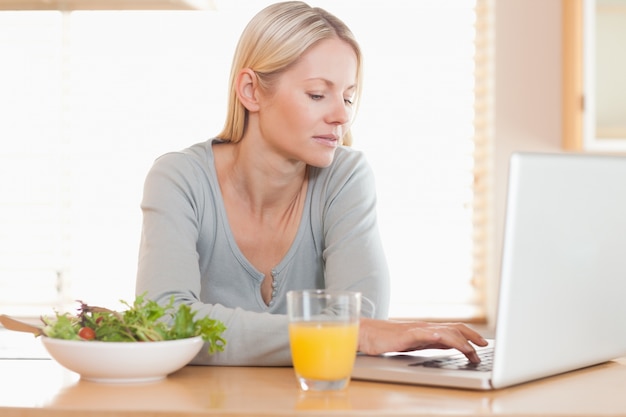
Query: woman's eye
317, 97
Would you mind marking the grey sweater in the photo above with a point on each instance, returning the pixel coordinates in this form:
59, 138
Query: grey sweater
188, 250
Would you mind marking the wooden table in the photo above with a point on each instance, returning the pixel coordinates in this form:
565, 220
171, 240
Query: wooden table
40, 387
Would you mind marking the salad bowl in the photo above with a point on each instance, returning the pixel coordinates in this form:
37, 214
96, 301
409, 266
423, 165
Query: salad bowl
123, 362
139, 344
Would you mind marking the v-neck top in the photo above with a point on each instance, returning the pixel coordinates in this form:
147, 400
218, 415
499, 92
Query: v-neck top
188, 250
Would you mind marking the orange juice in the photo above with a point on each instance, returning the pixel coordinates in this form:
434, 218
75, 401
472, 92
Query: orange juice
323, 350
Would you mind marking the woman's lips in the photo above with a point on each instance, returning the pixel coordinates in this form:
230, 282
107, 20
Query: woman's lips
327, 140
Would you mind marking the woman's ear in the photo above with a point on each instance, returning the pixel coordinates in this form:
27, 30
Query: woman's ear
247, 89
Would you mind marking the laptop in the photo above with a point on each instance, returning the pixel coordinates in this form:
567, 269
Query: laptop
562, 293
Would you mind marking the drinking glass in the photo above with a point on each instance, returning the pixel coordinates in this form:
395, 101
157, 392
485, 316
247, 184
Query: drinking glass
323, 335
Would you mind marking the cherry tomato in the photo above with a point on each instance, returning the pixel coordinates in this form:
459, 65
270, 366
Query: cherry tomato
87, 333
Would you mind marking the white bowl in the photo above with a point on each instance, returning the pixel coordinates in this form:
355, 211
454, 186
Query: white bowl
123, 362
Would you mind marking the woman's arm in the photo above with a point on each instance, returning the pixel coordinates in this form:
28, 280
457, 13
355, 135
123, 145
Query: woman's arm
355, 261
353, 254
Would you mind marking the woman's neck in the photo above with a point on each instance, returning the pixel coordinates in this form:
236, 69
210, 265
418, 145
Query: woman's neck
261, 181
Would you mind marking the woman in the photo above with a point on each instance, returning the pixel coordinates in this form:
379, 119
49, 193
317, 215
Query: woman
277, 201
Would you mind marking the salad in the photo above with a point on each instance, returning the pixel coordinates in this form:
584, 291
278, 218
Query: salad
144, 321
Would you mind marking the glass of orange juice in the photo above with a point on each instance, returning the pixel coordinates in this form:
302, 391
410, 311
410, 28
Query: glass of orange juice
323, 335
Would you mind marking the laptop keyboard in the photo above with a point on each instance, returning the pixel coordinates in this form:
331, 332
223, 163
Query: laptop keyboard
460, 362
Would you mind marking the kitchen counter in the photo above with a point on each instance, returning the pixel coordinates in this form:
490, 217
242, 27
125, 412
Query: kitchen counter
40, 387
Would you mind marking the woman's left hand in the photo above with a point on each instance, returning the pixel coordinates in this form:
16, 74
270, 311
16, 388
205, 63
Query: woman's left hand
381, 336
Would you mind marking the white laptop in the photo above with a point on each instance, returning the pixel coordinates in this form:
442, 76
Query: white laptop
562, 299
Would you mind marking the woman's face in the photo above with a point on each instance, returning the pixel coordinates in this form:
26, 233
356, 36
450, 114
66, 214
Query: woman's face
310, 107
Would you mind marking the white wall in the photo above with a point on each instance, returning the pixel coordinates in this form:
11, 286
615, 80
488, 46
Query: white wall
527, 94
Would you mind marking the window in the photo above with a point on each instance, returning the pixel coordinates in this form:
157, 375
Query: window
89, 101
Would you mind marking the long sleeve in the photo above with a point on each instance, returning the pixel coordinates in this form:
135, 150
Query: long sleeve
353, 253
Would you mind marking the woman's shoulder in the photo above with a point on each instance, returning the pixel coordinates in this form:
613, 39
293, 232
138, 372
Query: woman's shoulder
201, 151
347, 162
349, 153
194, 157
189, 167
349, 166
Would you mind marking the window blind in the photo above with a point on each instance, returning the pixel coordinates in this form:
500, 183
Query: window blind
483, 204
91, 108
32, 251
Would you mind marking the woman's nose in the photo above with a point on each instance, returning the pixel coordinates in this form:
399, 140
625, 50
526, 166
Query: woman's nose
341, 112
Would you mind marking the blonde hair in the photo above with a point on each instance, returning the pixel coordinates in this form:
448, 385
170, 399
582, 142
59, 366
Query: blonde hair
273, 41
